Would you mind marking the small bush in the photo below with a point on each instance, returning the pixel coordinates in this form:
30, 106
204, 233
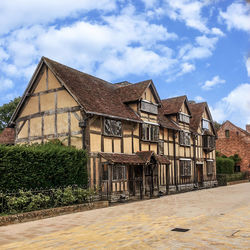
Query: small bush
224, 165
26, 201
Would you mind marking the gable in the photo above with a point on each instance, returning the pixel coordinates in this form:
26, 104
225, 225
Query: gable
185, 109
42, 97
149, 95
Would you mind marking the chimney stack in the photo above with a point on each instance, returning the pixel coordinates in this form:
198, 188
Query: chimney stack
248, 128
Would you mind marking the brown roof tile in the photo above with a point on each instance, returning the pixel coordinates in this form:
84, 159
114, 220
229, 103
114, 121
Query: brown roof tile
166, 122
94, 94
172, 105
142, 157
132, 92
7, 136
197, 110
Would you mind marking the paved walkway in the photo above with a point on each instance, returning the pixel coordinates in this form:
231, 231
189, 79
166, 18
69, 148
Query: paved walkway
217, 218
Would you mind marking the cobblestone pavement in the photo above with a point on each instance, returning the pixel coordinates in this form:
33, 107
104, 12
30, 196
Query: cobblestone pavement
217, 218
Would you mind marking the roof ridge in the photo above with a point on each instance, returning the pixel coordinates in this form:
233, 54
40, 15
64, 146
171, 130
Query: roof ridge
81, 72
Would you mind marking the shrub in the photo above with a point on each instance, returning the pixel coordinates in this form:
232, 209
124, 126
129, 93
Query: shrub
224, 165
41, 166
26, 201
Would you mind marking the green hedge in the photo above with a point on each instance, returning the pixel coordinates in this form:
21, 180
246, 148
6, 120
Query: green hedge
26, 201
236, 176
41, 166
224, 165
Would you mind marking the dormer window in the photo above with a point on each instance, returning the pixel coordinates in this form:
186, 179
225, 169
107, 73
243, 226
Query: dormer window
149, 107
205, 124
184, 118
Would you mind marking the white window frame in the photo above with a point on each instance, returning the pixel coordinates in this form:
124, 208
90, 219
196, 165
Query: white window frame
205, 121
147, 135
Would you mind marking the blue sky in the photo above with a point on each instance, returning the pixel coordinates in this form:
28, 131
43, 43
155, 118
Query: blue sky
197, 48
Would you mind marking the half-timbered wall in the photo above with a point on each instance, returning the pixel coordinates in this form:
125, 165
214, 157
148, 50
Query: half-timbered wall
49, 112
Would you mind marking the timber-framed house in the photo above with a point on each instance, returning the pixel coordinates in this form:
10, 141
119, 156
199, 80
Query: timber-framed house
138, 144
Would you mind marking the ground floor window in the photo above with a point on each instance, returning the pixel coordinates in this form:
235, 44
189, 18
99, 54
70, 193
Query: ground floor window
119, 172
210, 166
185, 168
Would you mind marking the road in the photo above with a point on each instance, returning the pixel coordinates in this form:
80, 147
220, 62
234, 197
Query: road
217, 218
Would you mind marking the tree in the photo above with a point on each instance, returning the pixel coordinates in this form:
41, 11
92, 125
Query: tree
217, 125
6, 112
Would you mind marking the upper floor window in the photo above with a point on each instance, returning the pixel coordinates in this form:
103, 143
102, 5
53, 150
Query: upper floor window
184, 138
184, 118
205, 124
208, 141
227, 133
149, 132
149, 107
185, 168
112, 127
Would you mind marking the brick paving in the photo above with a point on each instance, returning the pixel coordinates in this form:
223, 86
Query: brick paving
217, 218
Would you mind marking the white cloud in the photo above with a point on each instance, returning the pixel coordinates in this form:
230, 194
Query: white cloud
203, 48
91, 47
234, 107
15, 13
237, 16
134, 61
211, 83
6, 84
248, 66
199, 99
217, 31
188, 11
186, 68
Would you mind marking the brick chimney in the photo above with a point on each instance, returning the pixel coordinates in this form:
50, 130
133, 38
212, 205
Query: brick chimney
248, 128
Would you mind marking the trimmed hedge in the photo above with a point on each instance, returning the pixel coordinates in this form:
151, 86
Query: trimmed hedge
41, 166
224, 165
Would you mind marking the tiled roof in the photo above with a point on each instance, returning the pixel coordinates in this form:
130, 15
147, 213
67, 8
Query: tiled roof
142, 157
132, 92
94, 95
7, 136
172, 105
197, 110
165, 121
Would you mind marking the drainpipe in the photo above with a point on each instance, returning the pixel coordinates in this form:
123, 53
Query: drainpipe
194, 148
175, 167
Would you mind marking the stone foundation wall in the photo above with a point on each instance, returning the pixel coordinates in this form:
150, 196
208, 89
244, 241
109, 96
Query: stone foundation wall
46, 213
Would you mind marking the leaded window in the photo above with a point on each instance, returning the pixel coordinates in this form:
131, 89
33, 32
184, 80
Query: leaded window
205, 124
185, 168
119, 172
161, 147
112, 127
184, 118
149, 132
210, 166
208, 141
184, 138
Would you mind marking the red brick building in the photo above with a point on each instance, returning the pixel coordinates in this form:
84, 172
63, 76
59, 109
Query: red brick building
234, 140
7, 137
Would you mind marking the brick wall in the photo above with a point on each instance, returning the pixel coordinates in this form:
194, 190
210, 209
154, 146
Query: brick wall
238, 142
